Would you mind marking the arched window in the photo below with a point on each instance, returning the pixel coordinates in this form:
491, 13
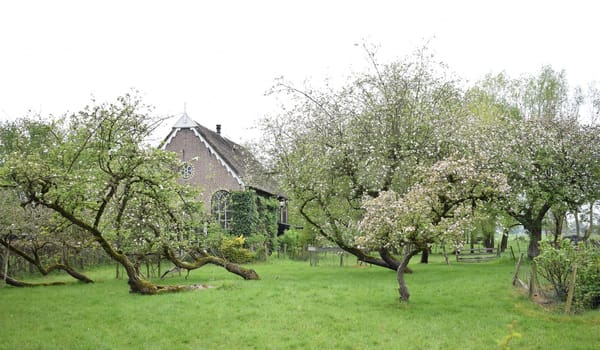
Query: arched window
221, 208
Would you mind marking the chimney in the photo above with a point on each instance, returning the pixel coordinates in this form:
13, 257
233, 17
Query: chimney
219, 129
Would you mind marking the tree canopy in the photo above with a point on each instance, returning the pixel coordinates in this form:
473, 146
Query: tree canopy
361, 152
95, 171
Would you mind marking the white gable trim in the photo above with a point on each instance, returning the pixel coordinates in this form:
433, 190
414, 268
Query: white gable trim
212, 151
171, 136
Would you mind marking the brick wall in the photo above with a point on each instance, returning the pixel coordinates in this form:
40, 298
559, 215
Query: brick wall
209, 173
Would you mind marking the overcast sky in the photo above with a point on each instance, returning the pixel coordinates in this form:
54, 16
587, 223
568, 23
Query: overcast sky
219, 57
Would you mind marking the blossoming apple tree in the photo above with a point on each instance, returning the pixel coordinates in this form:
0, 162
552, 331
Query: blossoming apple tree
438, 208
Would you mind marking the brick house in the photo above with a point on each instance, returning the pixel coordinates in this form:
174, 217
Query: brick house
219, 167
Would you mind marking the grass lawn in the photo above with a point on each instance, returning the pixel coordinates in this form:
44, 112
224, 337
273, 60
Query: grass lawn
294, 306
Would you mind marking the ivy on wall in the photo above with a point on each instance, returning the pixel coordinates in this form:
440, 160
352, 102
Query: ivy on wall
255, 217
268, 209
245, 213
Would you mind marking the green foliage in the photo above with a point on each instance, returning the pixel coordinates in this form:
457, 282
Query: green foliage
214, 236
94, 170
332, 148
294, 243
268, 210
258, 243
587, 284
245, 213
232, 249
555, 264
255, 217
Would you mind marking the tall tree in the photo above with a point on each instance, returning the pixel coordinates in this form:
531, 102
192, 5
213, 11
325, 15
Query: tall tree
95, 171
549, 158
333, 147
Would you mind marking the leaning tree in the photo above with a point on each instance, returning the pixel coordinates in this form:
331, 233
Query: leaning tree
29, 233
32, 234
95, 170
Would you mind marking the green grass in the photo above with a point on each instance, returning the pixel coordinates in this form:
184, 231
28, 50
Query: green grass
294, 306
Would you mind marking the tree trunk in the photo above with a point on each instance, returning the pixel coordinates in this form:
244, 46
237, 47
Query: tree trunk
35, 262
402, 288
589, 231
72, 272
559, 219
488, 240
387, 260
16, 283
425, 256
201, 258
577, 229
504, 240
535, 236
532, 222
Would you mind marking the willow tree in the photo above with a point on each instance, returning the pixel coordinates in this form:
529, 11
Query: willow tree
439, 208
94, 170
334, 146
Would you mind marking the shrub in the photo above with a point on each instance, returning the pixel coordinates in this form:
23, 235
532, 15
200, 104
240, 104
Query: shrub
232, 249
587, 284
294, 243
258, 243
555, 265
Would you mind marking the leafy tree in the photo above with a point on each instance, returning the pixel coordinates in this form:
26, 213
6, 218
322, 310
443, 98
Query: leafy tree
29, 233
438, 208
95, 171
333, 147
534, 137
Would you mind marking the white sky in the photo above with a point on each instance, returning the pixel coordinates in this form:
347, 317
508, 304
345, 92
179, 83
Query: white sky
219, 57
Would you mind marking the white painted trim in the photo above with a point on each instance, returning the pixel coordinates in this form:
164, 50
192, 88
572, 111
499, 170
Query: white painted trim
171, 136
219, 158
211, 150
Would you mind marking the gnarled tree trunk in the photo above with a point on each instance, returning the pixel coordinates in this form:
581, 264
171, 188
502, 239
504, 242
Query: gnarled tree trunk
17, 283
402, 288
35, 261
201, 258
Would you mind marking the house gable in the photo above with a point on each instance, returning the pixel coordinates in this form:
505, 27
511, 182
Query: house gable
209, 171
214, 163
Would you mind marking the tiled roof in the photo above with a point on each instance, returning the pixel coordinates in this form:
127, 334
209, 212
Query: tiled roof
243, 164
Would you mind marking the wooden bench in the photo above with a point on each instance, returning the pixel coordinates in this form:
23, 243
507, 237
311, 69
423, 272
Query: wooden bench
477, 254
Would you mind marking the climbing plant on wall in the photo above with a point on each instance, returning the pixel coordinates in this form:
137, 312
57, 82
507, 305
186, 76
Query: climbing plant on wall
245, 213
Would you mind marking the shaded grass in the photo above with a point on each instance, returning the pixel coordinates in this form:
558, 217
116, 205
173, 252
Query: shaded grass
294, 306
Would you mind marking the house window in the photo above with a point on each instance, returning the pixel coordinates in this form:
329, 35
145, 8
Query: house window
221, 208
187, 170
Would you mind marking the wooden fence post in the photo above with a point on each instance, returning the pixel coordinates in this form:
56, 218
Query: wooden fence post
533, 278
571, 289
516, 275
